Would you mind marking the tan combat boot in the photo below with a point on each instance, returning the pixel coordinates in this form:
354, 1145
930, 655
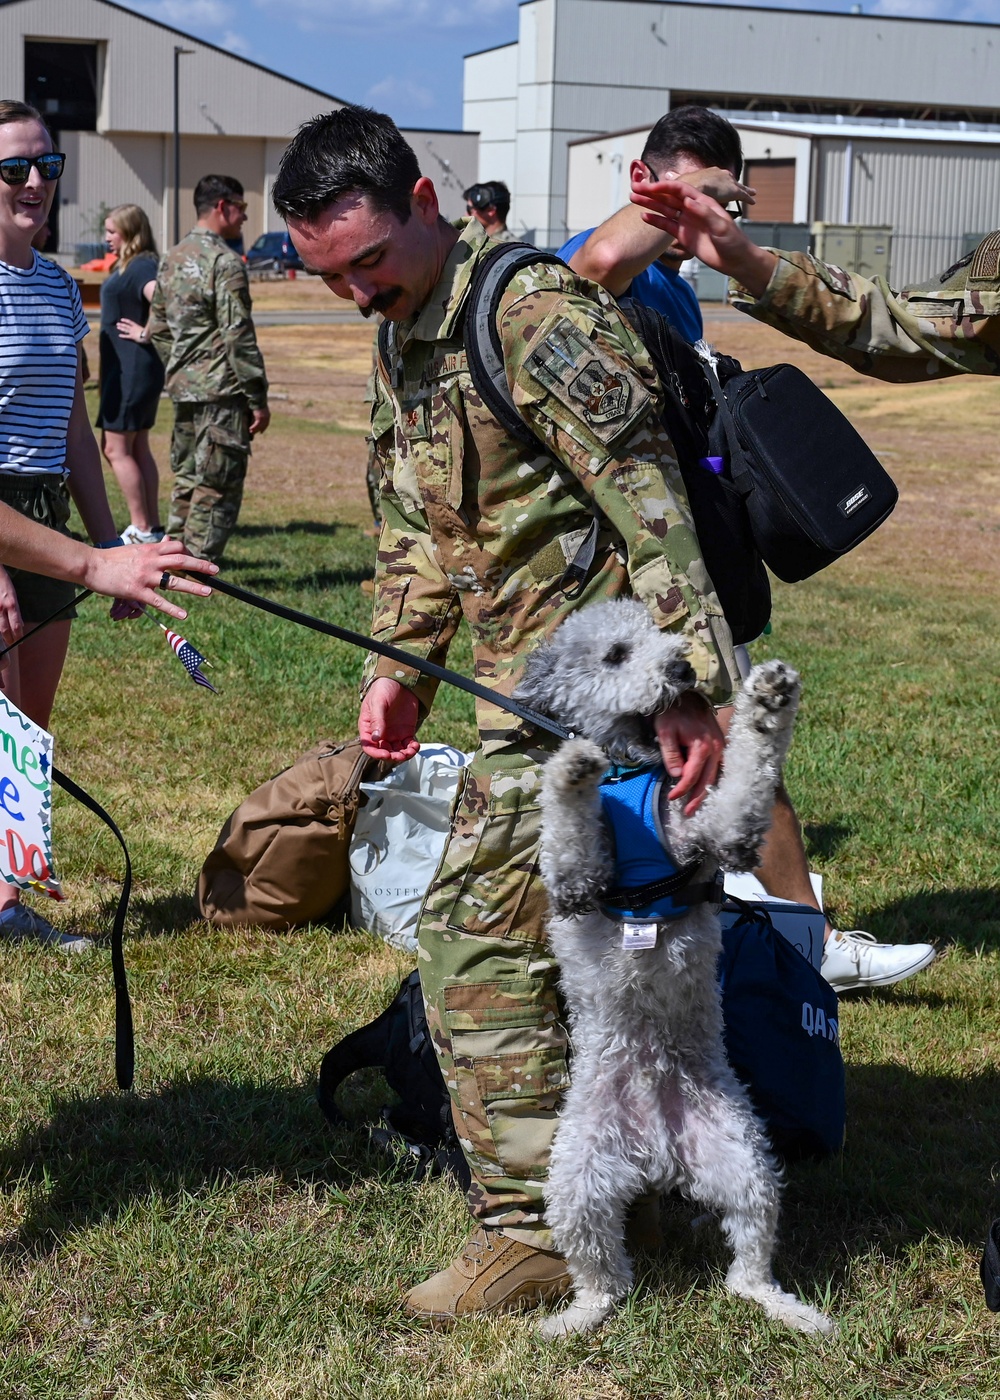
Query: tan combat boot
493, 1273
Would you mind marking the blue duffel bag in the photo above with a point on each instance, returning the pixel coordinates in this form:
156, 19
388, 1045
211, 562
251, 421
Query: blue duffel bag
782, 1034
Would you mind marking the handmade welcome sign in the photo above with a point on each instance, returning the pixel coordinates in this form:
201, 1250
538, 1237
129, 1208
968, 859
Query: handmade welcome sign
26, 803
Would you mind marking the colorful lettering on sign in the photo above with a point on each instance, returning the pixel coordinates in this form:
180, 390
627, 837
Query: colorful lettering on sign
8, 789
30, 861
24, 759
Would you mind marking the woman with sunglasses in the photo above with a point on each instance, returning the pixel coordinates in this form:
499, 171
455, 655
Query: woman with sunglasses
131, 370
46, 442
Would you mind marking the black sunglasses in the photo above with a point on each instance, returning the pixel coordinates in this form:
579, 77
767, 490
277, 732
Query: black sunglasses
16, 169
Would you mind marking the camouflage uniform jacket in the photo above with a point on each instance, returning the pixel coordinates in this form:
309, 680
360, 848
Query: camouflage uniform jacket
950, 325
477, 526
200, 323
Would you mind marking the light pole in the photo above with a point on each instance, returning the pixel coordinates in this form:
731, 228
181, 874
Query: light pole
177, 140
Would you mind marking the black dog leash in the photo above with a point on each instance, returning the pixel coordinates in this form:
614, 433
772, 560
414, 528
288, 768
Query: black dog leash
124, 1026
124, 1031
405, 658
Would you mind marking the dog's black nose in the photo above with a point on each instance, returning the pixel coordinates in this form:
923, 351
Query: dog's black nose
680, 672
615, 655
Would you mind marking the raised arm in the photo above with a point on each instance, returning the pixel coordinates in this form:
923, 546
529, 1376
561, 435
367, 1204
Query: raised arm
946, 327
625, 245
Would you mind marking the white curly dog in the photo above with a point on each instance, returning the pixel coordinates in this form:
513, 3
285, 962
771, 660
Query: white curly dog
653, 1103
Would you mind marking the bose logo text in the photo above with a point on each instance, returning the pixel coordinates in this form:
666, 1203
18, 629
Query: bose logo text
854, 501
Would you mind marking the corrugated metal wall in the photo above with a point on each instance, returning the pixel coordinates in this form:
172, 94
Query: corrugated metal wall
99, 171
586, 67
731, 48
931, 193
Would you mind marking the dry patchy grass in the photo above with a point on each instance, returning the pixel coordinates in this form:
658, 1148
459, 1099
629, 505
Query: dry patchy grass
209, 1237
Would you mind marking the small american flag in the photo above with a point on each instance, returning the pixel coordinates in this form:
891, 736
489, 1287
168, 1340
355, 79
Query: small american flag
191, 659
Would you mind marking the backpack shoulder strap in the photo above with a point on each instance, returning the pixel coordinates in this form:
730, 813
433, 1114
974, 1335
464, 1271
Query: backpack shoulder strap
386, 342
482, 336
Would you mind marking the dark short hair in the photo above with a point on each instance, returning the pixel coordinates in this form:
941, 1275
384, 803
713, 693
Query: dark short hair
351, 150
697, 132
211, 188
492, 192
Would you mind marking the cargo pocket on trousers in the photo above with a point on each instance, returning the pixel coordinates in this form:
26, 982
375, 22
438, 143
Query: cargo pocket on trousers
225, 459
509, 1053
501, 894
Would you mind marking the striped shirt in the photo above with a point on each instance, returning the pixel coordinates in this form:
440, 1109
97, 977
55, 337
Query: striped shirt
41, 324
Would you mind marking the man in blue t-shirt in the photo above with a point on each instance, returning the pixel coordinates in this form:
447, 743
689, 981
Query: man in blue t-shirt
631, 258
661, 286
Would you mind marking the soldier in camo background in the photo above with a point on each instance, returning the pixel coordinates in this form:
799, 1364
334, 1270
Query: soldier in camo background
201, 328
490, 204
478, 528
949, 325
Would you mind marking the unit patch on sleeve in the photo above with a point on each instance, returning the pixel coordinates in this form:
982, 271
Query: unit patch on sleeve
985, 266
603, 393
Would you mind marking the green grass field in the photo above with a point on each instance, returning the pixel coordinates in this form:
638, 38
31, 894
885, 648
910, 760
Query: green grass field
208, 1237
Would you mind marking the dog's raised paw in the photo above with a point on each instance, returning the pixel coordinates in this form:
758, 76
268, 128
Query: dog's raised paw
578, 764
773, 688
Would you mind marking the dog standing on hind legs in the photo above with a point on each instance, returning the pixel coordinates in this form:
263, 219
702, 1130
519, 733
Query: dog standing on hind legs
653, 1103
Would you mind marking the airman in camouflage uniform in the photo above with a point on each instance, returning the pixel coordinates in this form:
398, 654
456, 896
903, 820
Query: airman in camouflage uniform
201, 327
949, 325
477, 528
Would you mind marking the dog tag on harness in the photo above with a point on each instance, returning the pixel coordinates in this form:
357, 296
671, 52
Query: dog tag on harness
635, 936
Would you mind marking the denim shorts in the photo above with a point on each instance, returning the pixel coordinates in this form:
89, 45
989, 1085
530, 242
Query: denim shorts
42, 497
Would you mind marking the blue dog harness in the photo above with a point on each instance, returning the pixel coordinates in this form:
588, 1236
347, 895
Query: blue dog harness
649, 885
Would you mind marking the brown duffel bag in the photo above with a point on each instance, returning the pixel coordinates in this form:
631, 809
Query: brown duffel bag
281, 858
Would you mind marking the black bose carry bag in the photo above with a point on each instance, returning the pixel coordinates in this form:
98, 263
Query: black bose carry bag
813, 487
773, 469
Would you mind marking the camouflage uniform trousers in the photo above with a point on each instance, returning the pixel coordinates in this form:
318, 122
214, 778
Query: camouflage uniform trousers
489, 983
208, 454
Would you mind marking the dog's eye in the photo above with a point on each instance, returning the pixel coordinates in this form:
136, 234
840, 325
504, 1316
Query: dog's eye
616, 654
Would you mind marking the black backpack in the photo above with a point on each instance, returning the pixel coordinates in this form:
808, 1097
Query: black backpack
796, 1080
399, 1043
775, 473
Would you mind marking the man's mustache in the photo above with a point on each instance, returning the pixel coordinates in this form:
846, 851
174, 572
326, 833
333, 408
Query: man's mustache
382, 301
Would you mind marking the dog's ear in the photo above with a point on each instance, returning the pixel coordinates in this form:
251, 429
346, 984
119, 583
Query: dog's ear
535, 688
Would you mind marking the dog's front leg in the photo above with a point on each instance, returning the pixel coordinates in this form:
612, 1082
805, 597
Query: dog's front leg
576, 857
732, 822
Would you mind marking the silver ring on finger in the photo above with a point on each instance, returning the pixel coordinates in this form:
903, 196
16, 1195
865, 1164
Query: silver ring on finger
164, 580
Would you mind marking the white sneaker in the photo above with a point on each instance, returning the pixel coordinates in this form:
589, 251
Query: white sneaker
133, 535
853, 961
